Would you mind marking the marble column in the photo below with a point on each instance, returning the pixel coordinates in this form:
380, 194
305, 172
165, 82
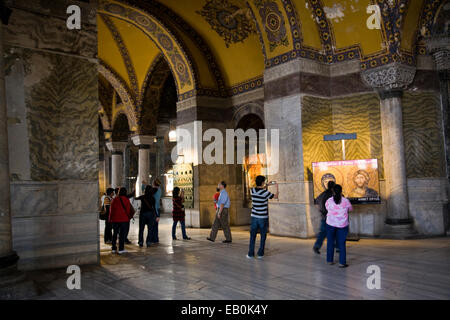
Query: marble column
442, 59
8, 258
106, 167
143, 142
117, 150
394, 156
390, 81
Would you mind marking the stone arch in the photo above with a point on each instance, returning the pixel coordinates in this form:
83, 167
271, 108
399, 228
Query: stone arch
120, 127
119, 85
247, 109
152, 90
104, 118
179, 62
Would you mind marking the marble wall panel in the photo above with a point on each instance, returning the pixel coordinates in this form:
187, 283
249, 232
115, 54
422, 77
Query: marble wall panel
61, 100
29, 30
361, 114
54, 223
428, 205
422, 129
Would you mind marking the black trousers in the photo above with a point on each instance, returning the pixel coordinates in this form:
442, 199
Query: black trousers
127, 231
108, 231
146, 219
119, 229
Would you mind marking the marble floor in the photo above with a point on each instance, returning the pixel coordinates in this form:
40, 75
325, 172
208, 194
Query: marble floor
198, 269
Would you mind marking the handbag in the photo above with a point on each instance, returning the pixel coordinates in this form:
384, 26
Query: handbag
132, 212
102, 214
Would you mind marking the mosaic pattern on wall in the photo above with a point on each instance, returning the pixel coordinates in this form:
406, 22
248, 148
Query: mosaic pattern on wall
361, 115
422, 128
358, 114
62, 106
273, 22
233, 23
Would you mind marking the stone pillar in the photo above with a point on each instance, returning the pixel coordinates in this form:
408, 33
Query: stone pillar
394, 156
107, 166
194, 116
390, 81
143, 142
442, 59
117, 150
290, 215
8, 258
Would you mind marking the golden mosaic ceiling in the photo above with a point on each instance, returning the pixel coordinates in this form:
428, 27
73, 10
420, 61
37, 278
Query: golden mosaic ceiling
221, 47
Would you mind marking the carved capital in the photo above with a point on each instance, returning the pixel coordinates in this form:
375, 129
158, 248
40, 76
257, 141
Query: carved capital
116, 147
143, 140
392, 76
442, 58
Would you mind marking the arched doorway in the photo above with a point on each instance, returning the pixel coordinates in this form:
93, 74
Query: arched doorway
252, 164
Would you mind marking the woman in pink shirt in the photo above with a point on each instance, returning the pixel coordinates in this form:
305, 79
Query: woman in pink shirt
337, 225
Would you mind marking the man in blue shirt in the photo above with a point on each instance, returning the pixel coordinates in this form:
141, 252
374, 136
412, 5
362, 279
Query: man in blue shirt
221, 220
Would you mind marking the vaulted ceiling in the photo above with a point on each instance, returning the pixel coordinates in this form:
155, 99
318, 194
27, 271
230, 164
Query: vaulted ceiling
221, 47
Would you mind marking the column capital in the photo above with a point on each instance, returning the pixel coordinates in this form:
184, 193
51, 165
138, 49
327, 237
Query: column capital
142, 140
391, 76
442, 58
116, 146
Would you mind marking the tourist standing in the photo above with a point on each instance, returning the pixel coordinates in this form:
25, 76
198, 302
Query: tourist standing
337, 225
107, 206
178, 213
147, 216
321, 200
120, 215
260, 215
131, 196
221, 219
157, 196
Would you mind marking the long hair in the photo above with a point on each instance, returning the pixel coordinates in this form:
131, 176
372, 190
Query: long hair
337, 194
176, 192
148, 190
123, 192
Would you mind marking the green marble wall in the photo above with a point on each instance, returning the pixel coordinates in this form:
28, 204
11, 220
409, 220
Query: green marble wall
61, 97
423, 134
361, 114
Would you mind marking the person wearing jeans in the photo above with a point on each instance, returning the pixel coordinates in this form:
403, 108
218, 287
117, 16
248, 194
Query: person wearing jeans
147, 216
157, 196
183, 230
261, 224
337, 225
338, 235
178, 213
260, 216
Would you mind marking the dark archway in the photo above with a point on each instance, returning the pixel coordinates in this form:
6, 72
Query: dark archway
121, 129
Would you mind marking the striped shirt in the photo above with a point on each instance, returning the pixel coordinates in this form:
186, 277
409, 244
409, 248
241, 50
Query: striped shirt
260, 199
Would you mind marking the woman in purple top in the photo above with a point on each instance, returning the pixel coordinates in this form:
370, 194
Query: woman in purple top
337, 225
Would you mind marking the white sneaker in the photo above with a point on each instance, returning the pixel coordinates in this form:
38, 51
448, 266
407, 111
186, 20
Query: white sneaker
260, 257
248, 257
113, 251
123, 251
